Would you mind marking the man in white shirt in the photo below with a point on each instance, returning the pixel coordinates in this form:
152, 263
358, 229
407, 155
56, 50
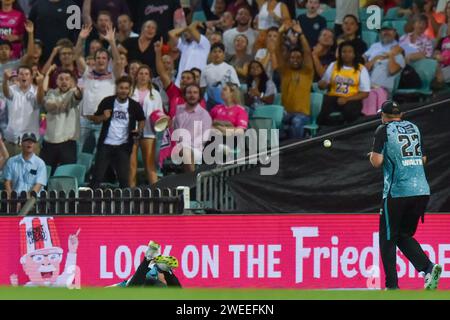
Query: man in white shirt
243, 19
98, 82
384, 58
194, 48
120, 116
216, 74
23, 109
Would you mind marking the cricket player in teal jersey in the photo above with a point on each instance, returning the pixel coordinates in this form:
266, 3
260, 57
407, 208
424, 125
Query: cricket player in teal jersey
398, 148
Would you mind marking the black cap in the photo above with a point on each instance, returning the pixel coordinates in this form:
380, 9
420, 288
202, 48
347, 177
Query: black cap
29, 137
5, 42
390, 107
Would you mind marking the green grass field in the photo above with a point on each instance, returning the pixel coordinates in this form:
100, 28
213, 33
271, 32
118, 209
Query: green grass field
8, 293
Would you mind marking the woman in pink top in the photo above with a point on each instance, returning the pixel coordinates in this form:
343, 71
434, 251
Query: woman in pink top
230, 118
150, 100
12, 26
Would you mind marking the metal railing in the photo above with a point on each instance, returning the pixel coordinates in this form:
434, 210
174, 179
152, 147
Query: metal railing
98, 202
213, 191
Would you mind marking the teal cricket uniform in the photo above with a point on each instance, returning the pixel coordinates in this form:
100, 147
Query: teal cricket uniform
405, 195
401, 145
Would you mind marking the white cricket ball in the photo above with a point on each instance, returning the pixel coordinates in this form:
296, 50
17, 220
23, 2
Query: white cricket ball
327, 143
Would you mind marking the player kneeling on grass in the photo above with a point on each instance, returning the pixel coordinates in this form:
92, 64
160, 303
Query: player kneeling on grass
155, 270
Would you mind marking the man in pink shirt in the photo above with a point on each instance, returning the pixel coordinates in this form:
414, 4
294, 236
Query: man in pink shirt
174, 93
196, 123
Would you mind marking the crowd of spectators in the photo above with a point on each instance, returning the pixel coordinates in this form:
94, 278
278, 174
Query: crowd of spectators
212, 62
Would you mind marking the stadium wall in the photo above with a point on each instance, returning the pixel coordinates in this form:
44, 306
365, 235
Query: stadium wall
308, 251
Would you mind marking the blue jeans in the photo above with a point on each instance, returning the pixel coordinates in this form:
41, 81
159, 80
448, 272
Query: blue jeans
89, 130
294, 123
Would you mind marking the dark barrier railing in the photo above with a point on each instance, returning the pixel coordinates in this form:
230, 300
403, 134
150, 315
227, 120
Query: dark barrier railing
96, 202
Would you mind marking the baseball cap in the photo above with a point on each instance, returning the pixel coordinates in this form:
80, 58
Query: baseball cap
387, 25
5, 42
390, 107
29, 137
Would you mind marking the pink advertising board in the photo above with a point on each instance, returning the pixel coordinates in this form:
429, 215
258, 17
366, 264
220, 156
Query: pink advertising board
248, 251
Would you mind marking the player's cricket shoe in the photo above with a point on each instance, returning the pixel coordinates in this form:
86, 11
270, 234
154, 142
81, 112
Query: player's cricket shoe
166, 263
432, 278
154, 250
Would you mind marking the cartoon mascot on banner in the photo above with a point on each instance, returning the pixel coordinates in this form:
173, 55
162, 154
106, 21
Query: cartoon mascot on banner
41, 254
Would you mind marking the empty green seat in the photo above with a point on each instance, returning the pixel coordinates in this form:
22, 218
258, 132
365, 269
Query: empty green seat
426, 69
77, 171
275, 112
316, 107
63, 183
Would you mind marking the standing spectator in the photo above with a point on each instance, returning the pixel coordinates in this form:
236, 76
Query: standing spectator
125, 28
150, 101
240, 59
272, 13
216, 74
65, 52
416, 44
50, 20
23, 108
160, 11
191, 116
174, 92
63, 120
348, 84
98, 82
260, 89
12, 22
170, 70
350, 29
25, 171
141, 48
6, 61
311, 22
384, 62
237, 5
343, 9
120, 116
243, 19
194, 48
296, 81
324, 53
92, 8
215, 11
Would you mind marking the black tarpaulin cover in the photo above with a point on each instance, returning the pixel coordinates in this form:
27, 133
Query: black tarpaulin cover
340, 179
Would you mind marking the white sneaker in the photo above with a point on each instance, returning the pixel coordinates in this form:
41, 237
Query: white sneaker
154, 250
432, 278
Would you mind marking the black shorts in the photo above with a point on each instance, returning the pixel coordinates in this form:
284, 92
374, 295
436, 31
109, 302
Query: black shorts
400, 216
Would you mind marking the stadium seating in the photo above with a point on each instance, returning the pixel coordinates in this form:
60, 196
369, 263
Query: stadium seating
49, 171
392, 14
85, 159
299, 12
426, 69
399, 25
316, 106
62, 183
274, 112
329, 14
77, 171
369, 37
199, 16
